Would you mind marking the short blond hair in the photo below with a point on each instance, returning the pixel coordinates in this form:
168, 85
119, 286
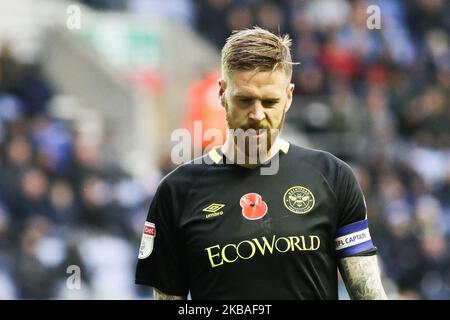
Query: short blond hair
256, 49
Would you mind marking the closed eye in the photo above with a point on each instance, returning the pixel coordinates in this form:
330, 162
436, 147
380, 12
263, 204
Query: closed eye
269, 103
266, 103
245, 100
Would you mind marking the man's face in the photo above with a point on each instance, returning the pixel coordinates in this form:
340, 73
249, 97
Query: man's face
256, 100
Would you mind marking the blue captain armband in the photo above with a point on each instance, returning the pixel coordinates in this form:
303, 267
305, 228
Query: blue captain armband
353, 239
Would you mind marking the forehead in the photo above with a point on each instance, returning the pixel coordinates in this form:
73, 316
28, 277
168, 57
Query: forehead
262, 83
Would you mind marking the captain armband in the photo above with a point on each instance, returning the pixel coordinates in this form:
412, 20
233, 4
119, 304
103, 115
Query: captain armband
353, 239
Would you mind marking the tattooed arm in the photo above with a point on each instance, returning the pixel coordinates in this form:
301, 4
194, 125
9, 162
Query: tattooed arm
158, 295
362, 278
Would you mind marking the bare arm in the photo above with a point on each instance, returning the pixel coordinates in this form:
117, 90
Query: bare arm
158, 295
361, 276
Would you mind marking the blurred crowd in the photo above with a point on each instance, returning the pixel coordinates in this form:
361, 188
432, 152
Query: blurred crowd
379, 99
61, 204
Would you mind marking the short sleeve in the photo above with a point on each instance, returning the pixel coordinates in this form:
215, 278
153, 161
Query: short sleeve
351, 203
161, 253
352, 236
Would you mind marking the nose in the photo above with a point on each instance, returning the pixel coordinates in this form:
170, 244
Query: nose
257, 112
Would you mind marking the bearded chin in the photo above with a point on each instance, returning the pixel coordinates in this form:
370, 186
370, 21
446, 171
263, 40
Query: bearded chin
253, 147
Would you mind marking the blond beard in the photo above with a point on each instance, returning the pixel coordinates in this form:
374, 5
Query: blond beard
255, 152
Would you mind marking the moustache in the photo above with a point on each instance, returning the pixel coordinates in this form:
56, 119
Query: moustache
255, 127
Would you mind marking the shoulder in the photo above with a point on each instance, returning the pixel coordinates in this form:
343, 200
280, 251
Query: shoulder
320, 159
185, 174
336, 172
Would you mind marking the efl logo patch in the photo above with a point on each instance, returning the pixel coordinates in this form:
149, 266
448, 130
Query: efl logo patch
253, 207
148, 237
149, 229
299, 200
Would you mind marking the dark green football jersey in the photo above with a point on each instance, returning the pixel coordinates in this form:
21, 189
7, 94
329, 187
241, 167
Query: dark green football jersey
221, 231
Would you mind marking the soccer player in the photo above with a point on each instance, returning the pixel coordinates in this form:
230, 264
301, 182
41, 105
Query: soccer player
221, 229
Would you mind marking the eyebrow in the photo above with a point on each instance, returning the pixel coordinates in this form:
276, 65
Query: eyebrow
245, 96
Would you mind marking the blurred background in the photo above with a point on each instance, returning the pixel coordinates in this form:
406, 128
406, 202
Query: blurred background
90, 92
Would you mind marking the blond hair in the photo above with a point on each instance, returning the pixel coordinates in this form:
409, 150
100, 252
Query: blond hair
256, 49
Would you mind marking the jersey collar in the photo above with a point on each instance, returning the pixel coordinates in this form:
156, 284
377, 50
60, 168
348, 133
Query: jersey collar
216, 153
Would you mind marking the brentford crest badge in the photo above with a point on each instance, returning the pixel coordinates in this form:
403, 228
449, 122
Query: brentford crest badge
299, 200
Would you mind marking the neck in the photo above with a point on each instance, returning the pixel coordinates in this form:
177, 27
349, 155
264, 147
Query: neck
231, 151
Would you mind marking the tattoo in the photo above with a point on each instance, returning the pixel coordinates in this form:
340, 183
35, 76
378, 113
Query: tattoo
158, 295
362, 278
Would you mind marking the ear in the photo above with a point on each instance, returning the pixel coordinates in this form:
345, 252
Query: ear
290, 94
222, 85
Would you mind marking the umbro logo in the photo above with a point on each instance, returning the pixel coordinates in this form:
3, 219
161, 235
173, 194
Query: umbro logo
213, 210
